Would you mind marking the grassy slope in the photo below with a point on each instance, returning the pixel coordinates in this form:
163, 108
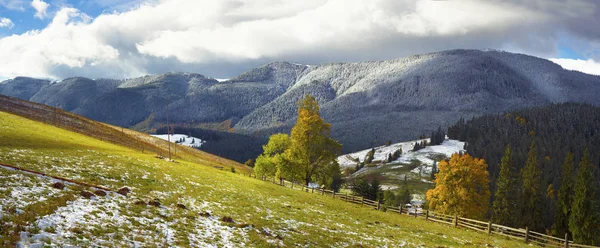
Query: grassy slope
276, 215
113, 134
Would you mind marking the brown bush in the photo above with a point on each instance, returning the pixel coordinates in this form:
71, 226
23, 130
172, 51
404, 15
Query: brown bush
100, 193
205, 214
179, 205
140, 203
87, 194
227, 219
124, 191
155, 203
58, 185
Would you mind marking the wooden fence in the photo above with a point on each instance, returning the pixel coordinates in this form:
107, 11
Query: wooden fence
525, 235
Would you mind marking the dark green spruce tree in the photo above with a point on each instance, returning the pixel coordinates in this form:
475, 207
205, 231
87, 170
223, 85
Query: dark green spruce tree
584, 219
505, 204
565, 197
531, 192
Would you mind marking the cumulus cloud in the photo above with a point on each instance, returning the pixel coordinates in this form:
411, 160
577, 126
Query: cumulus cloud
220, 38
40, 8
6, 23
586, 66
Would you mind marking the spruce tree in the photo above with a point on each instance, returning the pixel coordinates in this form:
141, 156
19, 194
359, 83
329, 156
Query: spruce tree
584, 219
565, 197
531, 197
434, 170
505, 197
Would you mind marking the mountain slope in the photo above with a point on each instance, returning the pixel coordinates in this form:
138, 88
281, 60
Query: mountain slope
556, 130
116, 135
175, 204
370, 101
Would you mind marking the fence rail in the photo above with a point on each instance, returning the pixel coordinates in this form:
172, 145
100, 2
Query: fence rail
454, 220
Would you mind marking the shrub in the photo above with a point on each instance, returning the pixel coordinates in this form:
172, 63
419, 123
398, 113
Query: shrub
155, 203
58, 185
87, 194
100, 193
124, 191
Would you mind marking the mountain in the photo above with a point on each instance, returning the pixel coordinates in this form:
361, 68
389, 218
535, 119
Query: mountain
82, 183
368, 103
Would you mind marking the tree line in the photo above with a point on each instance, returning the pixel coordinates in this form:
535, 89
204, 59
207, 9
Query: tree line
230, 145
542, 170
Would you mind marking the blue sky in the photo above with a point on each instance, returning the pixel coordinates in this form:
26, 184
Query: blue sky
222, 38
22, 14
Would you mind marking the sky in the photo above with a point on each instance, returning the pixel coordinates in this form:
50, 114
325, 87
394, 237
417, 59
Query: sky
56, 39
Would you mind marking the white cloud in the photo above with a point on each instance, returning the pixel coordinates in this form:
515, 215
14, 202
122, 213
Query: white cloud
40, 8
13, 4
6, 23
163, 35
586, 66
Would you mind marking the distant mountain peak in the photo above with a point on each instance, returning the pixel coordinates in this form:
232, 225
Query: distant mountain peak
394, 100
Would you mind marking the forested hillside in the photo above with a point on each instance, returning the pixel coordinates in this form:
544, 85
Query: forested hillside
556, 129
238, 147
544, 173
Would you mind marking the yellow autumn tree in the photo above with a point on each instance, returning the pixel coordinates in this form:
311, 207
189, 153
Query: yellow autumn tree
461, 187
312, 151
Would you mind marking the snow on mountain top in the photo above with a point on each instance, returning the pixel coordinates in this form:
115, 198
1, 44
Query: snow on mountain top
187, 140
447, 148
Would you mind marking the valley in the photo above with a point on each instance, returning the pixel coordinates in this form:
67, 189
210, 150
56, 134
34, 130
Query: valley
181, 203
368, 103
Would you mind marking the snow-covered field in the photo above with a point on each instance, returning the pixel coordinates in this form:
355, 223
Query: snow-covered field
447, 148
182, 139
110, 221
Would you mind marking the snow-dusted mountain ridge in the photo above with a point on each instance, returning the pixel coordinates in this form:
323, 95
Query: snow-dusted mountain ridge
368, 103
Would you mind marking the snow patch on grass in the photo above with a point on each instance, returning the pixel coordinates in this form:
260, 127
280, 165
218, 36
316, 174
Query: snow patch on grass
182, 139
447, 148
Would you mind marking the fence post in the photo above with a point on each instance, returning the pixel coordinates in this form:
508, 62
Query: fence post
312, 190
322, 191
333, 194
378, 205
292, 184
526, 235
456, 220
489, 227
346, 199
400, 209
416, 213
427, 214
362, 200
566, 240
352, 197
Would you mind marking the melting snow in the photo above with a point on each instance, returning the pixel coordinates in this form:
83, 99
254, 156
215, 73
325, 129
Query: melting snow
182, 139
447, 148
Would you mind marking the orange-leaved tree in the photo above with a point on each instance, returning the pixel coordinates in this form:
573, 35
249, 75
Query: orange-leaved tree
461, 187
